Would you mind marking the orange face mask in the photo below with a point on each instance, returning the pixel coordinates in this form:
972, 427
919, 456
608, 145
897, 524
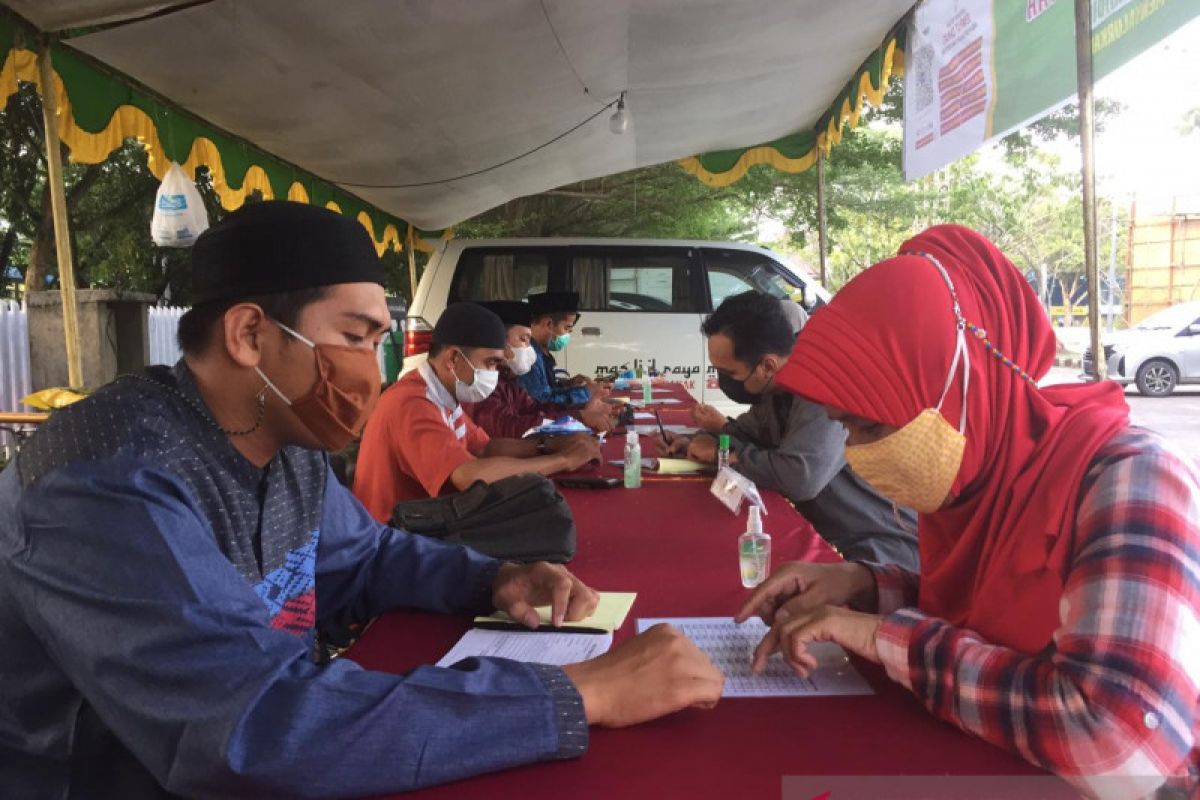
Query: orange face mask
336, 408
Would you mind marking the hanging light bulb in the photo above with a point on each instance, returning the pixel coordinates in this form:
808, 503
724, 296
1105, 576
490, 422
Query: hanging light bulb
619, 121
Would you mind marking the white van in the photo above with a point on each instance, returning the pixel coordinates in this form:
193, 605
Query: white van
642, 300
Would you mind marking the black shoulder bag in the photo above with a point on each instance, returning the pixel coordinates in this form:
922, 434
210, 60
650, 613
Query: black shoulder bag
519, 518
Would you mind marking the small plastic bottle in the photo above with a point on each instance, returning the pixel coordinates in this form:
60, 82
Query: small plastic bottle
754, 550
633, 461
722, 451
647, 394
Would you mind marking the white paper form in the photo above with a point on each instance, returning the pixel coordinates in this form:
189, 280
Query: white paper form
529, 646
647, 430
730, 646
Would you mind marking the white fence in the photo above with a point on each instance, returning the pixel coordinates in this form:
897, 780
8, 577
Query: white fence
14, 356
164, 322
14, 348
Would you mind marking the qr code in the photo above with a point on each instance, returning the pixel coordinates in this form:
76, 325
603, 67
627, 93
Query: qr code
923, 72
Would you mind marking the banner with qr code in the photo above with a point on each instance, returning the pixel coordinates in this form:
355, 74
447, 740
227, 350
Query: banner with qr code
977, 70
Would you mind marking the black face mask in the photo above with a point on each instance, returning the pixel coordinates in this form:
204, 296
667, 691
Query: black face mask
735, 390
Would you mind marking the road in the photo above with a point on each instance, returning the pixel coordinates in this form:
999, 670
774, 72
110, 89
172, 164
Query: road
1176, 417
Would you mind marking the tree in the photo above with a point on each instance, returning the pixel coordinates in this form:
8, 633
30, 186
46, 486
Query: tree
1027, 204
1060, 124
109, 206
658, 201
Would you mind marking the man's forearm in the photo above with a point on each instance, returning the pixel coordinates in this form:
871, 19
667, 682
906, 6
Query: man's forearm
490, 470
511, 448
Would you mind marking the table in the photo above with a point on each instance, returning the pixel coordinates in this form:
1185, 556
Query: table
23, 417
674, 544
20, 424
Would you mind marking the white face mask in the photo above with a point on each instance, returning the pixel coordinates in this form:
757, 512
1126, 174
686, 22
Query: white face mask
481, 387
523, 360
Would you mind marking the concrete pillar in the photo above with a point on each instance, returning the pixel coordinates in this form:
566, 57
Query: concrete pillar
113, 331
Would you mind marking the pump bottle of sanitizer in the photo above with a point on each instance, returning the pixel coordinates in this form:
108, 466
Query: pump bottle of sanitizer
633, 460
754, 551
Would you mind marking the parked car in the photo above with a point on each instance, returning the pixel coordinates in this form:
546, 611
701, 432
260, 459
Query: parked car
642, 301
1159, 353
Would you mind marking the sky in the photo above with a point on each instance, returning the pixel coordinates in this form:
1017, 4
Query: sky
1142, 151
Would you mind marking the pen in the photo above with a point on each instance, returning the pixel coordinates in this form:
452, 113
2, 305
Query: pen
499, 625
661, 429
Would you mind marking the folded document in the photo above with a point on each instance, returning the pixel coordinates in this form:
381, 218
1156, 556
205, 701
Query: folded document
528, 646
609, 615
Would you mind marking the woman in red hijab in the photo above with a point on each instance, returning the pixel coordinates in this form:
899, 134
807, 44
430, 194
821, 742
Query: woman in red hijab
1057, 611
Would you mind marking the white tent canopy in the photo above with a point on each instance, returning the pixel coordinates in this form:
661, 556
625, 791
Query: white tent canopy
391, 93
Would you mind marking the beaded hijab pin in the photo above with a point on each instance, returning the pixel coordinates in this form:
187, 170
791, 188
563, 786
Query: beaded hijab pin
978, 332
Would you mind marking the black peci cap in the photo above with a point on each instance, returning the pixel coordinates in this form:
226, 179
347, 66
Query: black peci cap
554, 303
470, 325
281, 246
510, 312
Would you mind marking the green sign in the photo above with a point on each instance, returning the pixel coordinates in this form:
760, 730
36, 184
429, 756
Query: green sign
978, 69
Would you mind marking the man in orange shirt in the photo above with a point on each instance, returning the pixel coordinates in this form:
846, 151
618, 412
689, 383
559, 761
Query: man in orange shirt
420, 443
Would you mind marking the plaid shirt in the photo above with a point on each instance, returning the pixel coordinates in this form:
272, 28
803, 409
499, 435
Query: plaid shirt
1112, 704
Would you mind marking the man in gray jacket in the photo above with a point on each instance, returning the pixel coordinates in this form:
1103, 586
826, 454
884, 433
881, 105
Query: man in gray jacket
789, 444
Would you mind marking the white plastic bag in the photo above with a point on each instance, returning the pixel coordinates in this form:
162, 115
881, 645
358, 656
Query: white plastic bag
732, 487
179, 215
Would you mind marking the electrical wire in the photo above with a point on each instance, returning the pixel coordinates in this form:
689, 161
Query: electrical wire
563, 50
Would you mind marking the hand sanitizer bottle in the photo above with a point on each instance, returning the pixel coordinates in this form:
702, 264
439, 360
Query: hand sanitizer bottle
722, 451
633, 461
754, 550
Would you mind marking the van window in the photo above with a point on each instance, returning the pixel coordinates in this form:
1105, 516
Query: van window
732, 272
499, 275
633, 282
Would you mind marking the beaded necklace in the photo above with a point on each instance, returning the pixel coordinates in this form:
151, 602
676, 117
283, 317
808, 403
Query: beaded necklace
978, 332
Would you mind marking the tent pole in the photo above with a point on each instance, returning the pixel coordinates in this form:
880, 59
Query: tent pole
58, 203
822, 231
1087, 141
412, 268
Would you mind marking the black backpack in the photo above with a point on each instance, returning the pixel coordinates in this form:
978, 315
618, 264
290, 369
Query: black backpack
518, 518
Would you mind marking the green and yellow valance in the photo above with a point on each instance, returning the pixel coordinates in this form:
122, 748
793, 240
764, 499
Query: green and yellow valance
99, 111
797, 152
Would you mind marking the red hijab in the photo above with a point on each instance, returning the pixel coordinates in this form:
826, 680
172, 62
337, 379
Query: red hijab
995, 560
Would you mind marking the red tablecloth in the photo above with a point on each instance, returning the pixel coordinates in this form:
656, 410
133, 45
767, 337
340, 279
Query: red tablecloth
674, 544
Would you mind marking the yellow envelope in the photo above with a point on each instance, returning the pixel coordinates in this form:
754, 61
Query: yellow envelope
609, 615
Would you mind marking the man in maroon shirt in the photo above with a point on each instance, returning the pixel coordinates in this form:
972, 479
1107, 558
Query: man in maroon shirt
510, 411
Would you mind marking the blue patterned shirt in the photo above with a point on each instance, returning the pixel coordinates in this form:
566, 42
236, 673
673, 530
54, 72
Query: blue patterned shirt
159, 598
542, 386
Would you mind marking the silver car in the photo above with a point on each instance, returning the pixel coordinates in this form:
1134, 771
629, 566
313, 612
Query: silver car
1159, 353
